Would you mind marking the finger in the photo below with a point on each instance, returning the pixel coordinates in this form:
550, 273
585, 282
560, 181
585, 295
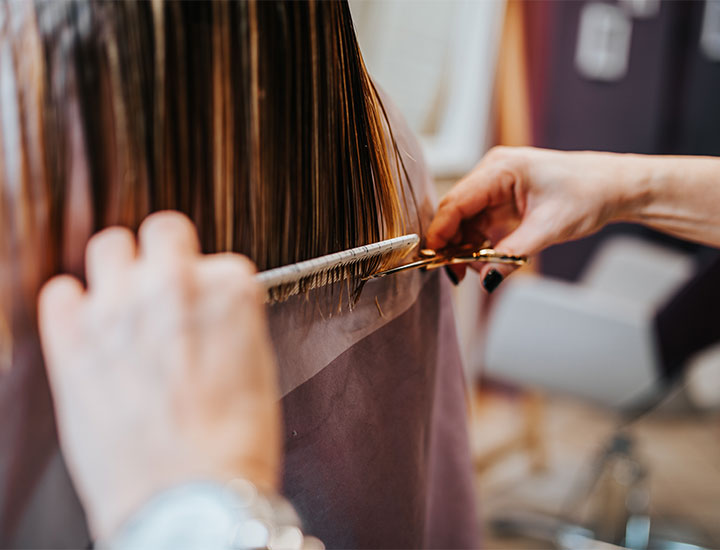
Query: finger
232, 300
108, 256
232, 273
456, 273
492, 274
444, 227
168, 235
59, 304
482, 188
526, 240
529, 238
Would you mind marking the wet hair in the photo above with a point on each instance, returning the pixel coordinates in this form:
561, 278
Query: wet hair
256, 119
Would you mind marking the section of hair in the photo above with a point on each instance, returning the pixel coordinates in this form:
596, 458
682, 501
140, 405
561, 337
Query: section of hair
257, 119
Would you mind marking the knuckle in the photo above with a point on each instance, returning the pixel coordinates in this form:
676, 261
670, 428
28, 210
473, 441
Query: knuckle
497, 153
451, 201
510, 159
453, 210
506, 174
447, 200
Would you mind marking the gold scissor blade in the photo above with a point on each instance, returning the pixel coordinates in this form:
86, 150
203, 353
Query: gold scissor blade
432, 259
404, 267
493, 256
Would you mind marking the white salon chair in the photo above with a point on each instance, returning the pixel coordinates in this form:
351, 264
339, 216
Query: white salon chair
603, 338
594, 338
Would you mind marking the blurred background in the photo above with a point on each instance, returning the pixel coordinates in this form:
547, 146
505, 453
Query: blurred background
595, 373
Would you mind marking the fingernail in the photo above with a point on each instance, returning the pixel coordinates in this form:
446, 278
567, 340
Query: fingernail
492, 280
452, 276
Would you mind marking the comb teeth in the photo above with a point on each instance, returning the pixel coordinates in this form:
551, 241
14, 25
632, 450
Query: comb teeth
351, 265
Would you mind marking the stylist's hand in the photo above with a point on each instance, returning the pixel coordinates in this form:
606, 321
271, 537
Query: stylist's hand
526, 199
161, 371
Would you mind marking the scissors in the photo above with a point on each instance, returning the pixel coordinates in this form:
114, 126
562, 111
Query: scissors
429, 259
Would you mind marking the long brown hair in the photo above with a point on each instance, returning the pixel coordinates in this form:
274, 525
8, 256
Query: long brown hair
257, 119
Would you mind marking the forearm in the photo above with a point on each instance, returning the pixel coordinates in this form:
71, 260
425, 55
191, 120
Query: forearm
676, 195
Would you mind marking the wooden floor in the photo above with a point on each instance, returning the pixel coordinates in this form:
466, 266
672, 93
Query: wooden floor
681, 450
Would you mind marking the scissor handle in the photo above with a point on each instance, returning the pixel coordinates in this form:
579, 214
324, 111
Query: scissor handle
491, 255
464, 254
468, 254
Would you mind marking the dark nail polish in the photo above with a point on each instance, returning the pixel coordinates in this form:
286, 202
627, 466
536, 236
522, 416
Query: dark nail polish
492, 280
451, 275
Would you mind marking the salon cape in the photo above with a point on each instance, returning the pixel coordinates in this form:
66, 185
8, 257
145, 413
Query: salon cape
376, 445
376, 441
